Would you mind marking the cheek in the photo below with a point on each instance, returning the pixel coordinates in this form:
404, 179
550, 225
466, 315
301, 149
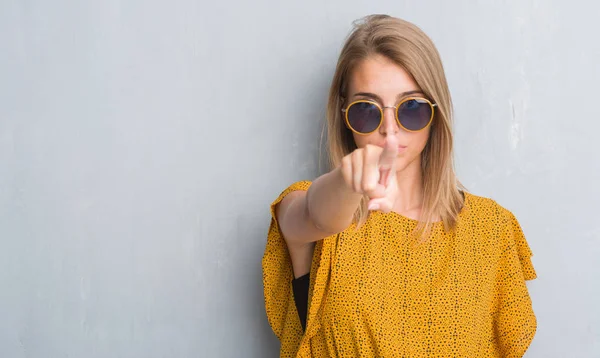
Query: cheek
362, 140
417, 143
420, 140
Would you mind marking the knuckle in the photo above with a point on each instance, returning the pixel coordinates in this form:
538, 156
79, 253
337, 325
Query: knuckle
372, 152
356, 163
346, 169
368, 186
346, 161
359, 153
369, 190
356, 186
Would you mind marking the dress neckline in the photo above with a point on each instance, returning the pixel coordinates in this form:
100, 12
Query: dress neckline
466, 201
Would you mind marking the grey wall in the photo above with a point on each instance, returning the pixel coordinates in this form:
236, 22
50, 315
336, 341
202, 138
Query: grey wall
141, 143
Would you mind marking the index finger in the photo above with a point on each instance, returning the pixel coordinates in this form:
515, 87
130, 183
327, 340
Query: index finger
387, 159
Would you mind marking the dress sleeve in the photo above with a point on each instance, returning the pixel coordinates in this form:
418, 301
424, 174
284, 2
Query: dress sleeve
277, 283
515, 323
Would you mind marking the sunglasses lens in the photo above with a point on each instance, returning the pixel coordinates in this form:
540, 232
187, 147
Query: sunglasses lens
364, 117
415, 114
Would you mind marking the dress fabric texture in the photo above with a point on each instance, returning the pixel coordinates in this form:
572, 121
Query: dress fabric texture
373, 292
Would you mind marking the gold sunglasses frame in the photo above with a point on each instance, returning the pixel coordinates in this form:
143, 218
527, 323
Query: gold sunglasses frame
396, 107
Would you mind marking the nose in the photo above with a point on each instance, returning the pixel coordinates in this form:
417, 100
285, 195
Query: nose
389, 125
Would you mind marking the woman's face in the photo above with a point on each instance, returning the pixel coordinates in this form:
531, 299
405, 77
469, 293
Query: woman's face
380, 80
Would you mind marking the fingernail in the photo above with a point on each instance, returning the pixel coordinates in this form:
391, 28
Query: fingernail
373, 206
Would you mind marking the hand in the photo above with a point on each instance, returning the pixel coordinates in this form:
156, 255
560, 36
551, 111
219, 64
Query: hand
372, 171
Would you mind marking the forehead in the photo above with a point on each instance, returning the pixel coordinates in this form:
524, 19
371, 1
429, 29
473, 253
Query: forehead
378, 74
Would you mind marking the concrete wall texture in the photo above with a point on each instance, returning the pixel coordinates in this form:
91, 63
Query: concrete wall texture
141, 143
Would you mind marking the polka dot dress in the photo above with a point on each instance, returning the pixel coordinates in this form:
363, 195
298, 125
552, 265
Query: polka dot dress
376, 293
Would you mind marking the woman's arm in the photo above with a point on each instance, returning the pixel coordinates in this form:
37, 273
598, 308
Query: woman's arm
308, 216
328, 206
325, 209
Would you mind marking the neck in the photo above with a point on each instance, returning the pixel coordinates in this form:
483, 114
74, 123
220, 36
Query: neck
410, 188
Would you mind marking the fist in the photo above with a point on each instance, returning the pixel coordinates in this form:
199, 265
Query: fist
372, 171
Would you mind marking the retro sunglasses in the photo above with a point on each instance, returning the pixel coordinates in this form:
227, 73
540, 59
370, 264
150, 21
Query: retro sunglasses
365, 117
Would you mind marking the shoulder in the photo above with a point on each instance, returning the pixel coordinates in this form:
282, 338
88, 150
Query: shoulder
487, 210
301, 185
499, 229
490, 221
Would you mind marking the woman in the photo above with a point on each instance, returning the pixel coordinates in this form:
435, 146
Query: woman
387, 255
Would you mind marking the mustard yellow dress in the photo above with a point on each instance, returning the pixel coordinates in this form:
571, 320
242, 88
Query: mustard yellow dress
373, 293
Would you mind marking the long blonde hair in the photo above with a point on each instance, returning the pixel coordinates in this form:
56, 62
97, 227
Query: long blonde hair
409, 47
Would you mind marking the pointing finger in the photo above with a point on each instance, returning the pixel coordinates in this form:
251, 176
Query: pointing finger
389, 154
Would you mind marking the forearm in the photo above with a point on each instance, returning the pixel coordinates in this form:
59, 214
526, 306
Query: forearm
330, 203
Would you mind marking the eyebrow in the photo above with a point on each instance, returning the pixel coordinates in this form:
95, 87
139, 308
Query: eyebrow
373, 95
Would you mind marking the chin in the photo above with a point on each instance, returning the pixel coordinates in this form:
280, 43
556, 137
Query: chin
403, 162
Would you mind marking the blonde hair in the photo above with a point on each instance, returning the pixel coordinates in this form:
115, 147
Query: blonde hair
409, 47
